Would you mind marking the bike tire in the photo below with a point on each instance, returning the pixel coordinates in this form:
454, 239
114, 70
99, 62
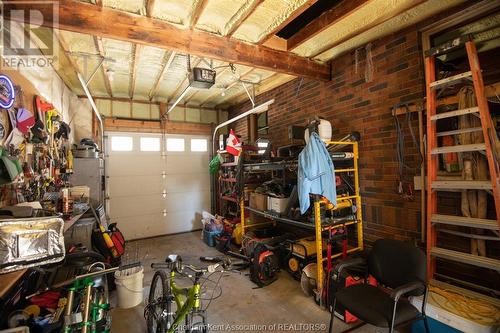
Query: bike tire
160, 280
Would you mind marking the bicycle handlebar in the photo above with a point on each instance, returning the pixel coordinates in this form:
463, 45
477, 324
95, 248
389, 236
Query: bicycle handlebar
179, 267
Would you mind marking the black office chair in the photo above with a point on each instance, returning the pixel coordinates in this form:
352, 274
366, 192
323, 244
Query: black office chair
398, 266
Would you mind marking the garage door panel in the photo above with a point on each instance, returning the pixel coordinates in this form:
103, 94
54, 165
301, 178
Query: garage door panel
135, 164
182, 222
189, 163
136, 205
136, 185
188, 182
184, 201
149, 225
137, 180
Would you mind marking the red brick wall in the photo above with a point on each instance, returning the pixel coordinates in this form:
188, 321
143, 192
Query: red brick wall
351, 104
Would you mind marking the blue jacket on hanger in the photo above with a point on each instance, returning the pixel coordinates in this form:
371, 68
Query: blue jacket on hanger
316, 174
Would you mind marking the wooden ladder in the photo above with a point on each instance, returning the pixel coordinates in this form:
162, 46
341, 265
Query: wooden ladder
433, 151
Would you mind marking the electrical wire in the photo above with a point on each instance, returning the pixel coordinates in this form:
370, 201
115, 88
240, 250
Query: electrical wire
468, 307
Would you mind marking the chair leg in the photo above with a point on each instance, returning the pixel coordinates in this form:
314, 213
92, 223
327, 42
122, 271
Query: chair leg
332, 315
426, 324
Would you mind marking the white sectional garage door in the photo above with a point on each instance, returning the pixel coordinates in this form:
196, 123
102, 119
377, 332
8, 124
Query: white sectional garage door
157, 185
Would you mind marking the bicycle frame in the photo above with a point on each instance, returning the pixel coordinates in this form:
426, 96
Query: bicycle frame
186, 299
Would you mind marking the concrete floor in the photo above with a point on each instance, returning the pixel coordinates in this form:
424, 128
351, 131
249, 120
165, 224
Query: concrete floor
283, 302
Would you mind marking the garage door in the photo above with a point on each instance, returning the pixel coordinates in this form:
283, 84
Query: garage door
157, 185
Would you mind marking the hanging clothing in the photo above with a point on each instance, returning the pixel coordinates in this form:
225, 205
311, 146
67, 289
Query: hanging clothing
316, 174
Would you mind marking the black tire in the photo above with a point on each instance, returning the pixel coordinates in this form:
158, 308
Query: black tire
83, 258
156, 303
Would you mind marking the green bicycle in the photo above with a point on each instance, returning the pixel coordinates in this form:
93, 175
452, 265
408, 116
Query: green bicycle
170, 305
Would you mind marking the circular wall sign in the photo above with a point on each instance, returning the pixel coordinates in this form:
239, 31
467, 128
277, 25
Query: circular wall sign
7, 93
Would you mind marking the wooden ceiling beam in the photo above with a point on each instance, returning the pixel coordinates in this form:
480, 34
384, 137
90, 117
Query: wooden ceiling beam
104, 66
379, 20
167, 61
198, 9
106, 22
274, 28
240, 16
324, 21
136, 50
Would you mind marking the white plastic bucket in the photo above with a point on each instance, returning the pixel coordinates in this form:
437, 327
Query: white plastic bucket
129, 287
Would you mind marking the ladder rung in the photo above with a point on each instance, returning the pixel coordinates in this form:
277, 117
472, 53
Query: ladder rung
460, 131
466, 258
455, 113
459, 148
465, 221
449, 80
462, 185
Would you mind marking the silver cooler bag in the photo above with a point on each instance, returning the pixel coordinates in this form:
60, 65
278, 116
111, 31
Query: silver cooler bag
30, 242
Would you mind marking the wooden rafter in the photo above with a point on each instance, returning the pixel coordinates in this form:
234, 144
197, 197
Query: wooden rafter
324, 21
167, 61
104, 67
198, 9
232, 84
240, 16
106, 22
64, 47
150, 4
136, 50
274, 28
183, 82
379, 20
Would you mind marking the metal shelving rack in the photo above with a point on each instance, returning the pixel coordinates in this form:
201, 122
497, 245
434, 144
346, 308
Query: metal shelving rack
318, 226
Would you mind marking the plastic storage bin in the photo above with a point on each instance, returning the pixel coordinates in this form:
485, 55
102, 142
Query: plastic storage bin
209, 237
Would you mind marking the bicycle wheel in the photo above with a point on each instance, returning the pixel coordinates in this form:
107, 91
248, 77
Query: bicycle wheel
155, 309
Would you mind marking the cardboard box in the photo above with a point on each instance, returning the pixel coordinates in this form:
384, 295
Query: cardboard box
258, 201
277, 205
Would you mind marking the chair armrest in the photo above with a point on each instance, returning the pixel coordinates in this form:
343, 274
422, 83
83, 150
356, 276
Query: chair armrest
349, 263
406, 288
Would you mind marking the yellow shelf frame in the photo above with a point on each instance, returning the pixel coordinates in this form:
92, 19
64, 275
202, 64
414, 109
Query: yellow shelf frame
319, 228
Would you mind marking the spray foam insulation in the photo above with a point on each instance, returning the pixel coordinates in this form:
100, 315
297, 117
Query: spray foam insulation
267, 16
78, 44
218, 13
368, 14
149, 65
132, 6
174, 11
394, 24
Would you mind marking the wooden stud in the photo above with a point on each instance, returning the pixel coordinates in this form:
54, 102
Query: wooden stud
106, 22
324, 21
135, 54
268, 34
167, 61
150, 4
